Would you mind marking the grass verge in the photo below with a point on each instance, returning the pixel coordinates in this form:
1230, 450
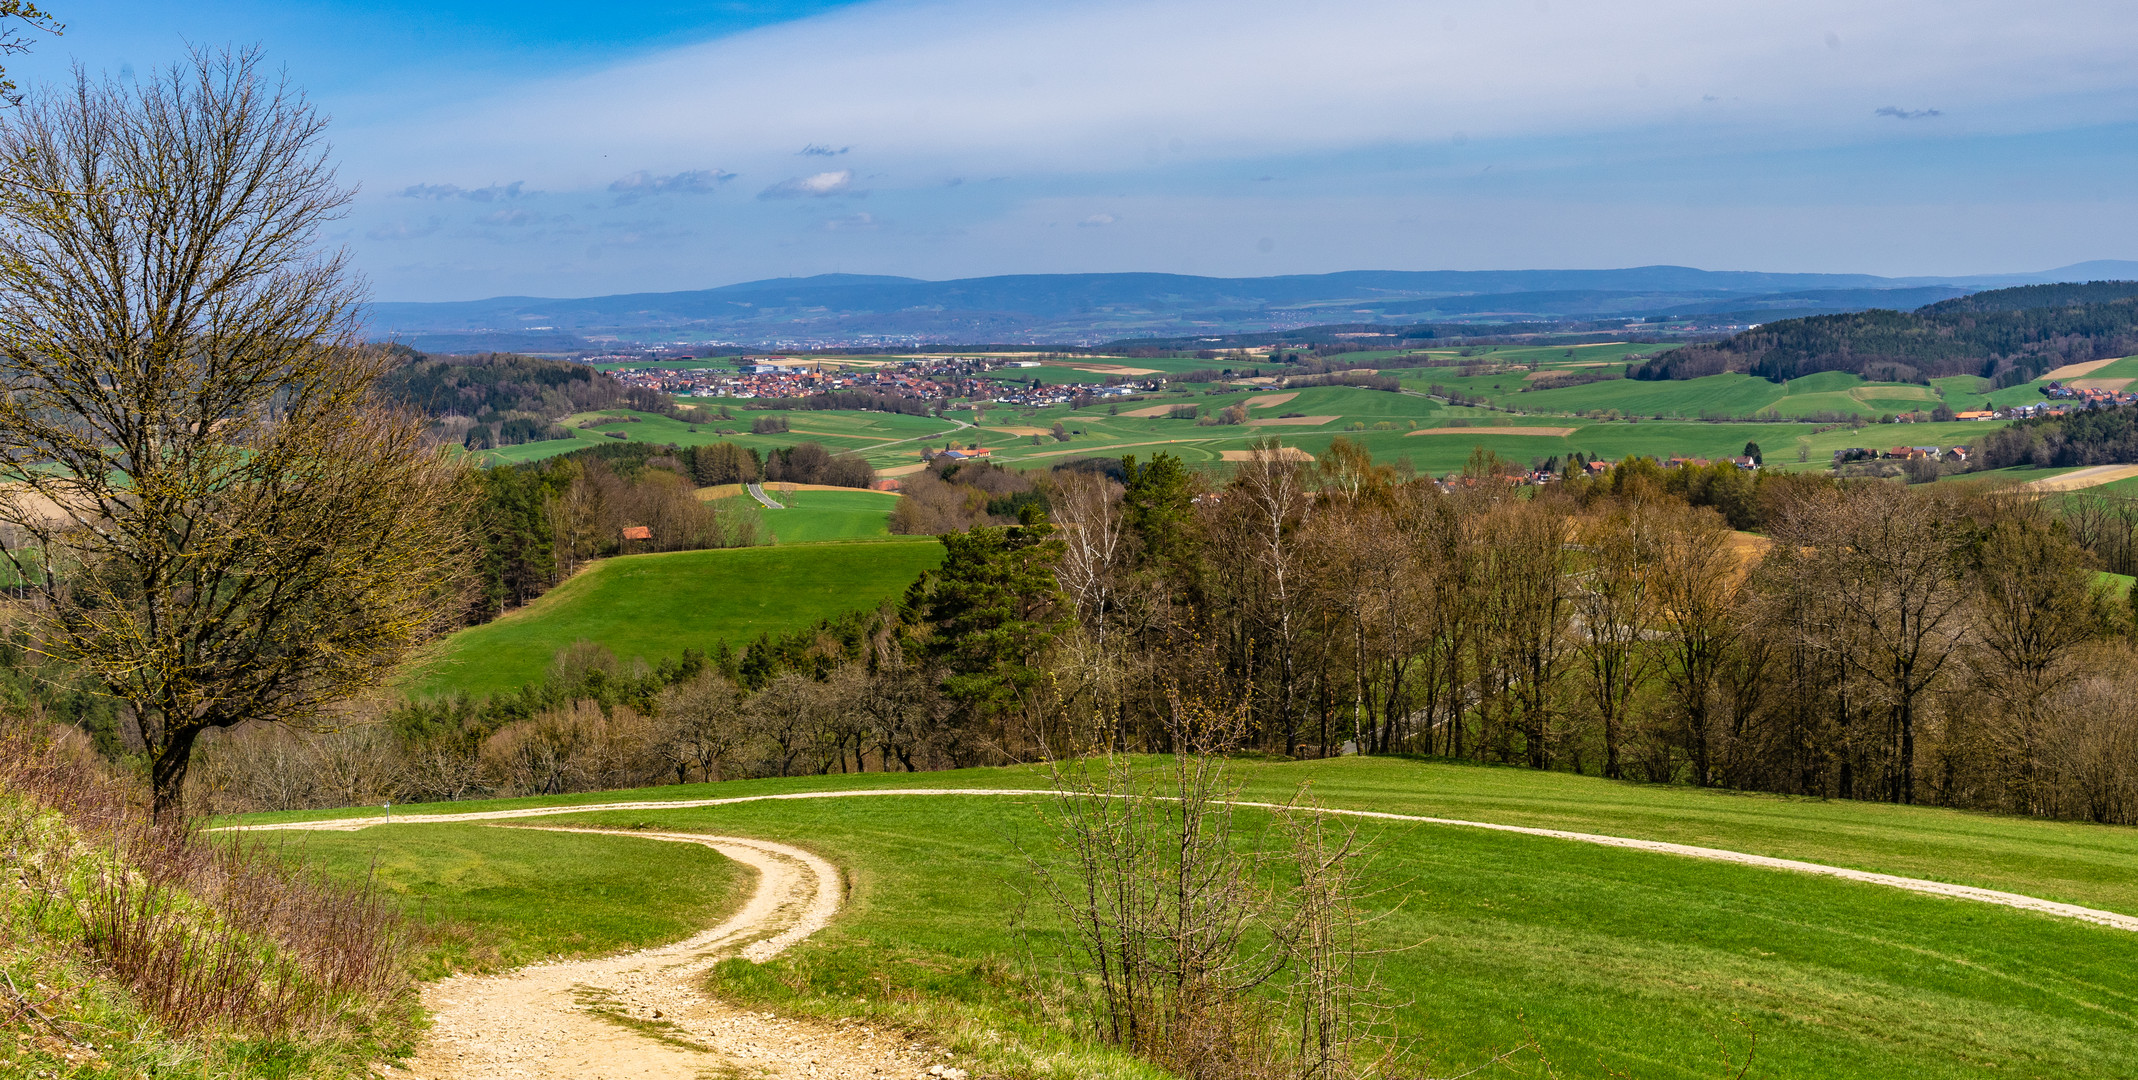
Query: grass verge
1619, 962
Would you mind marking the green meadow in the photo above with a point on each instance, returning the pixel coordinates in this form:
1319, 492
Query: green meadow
880, 437
1617, 962
655, 606
814, 517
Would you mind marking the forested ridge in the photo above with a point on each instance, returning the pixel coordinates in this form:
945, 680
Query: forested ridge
2009, 336
504, 399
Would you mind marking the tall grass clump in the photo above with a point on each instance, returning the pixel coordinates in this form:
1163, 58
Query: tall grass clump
208, 936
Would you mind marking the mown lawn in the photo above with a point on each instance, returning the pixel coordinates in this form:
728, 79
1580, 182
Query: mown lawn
655, 606
1619, 962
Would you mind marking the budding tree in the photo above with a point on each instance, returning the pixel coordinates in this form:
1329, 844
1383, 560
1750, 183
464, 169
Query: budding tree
214, 518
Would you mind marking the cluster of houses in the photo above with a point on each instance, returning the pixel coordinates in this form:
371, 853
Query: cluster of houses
1903, 453
2089, 397
935, 378
784, 377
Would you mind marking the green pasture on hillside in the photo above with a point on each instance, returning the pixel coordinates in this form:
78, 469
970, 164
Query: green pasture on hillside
655, 606
1619, 962
816, 516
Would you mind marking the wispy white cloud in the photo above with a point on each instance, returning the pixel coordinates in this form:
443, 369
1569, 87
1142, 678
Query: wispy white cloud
1101, 85
492, 193
1097, 221
689, 182
822, 185
1452, 133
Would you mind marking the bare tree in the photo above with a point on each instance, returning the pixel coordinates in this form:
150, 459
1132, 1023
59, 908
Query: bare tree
2035, 604
221, 524
1087, 508
1271, 485
1696, 577
1615, 602
1882, 560
705, 723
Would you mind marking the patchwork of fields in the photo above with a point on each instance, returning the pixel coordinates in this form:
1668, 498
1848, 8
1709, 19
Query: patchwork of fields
1610, 419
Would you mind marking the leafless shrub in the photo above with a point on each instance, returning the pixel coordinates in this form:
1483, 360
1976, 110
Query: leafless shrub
575, 747
1213, 950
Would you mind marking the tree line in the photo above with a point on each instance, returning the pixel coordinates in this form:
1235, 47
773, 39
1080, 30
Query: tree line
1931, 644
1986, 334
2085, 437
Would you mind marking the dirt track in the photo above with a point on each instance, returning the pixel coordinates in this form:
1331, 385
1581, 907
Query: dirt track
642, 1016
2113, 919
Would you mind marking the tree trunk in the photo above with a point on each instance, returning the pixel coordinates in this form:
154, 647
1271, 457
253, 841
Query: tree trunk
168, 774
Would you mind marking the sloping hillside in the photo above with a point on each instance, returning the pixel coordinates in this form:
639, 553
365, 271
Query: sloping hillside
2010, 336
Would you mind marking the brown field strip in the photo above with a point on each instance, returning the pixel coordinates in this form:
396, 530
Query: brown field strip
2073, 371
2085, 478
1290, 421
1149, 411
2113, 386
1287, 453
1266, 401
1020, 430
1540, 432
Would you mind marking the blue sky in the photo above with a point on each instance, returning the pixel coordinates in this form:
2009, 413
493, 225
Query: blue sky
551, 149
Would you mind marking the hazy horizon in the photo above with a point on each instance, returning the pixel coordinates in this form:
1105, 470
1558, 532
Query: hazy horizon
527, 149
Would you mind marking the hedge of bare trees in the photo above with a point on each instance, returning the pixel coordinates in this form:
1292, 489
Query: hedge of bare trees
1933, 644
1929, 643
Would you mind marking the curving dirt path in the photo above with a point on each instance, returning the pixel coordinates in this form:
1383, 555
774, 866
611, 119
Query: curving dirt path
1948, 890
642, 1016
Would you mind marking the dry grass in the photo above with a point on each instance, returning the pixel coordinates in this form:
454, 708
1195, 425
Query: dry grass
2073, 371
1286, 453
207, 936
2085, 478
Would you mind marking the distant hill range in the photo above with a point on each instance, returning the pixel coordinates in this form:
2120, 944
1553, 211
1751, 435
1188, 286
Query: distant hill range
2009, 336
1091, 309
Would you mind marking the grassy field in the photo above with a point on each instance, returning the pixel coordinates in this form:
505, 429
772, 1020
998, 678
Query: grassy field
1619, 962
654, 606
880, 437
814, 517
1390, 425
